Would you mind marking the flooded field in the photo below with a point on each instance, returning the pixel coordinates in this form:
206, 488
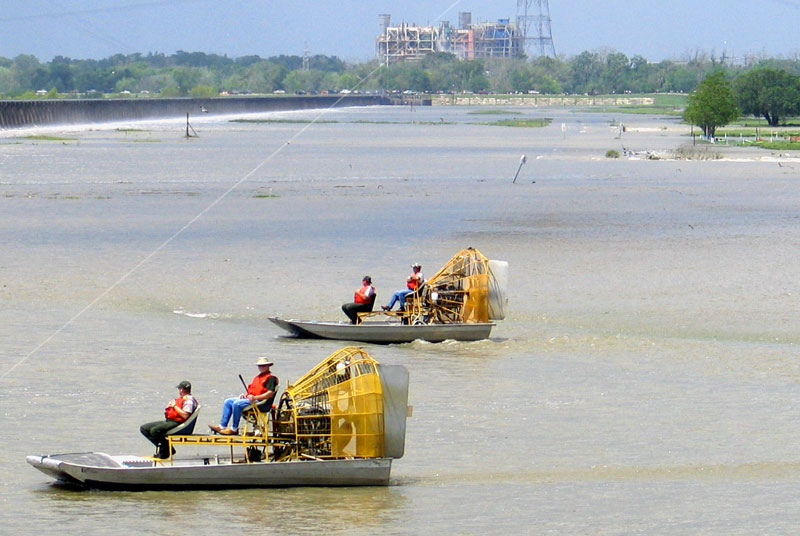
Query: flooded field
644, 380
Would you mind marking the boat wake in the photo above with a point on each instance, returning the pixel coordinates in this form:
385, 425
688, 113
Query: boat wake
195, 315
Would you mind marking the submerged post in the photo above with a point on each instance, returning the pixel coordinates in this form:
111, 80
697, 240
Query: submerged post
188, 126
521, 163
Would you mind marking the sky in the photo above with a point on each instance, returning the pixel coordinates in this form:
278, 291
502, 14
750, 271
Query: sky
675, 29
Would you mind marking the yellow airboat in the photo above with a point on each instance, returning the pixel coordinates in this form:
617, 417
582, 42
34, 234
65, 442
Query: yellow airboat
460, 302
341, 424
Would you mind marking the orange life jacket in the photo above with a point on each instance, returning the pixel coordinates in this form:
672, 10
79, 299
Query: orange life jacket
171, 413
414, 281
361, 295
258, 385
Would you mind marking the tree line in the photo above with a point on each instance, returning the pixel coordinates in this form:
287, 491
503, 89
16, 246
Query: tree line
765, 87
765, 92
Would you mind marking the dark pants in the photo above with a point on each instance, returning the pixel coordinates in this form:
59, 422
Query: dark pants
352, 309
156, 433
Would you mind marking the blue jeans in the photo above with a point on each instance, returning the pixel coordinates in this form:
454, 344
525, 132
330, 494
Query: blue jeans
399, 296
233, 406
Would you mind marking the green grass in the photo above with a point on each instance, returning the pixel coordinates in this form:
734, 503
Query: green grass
776, 145
301, 121
264, 196
670, 104
525, 123
368, 122
752, 132
672, 100
755, 128
638, 109
702, 151
48, 138
762, 123
493, 111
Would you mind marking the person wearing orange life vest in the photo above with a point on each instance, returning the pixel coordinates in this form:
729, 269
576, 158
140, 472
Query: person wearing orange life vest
413, 282
363, 300
176, 412
260, 392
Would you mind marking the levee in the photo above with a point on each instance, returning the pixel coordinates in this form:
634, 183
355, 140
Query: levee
29, 113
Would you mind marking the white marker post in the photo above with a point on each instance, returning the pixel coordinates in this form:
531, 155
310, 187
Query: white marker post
521, 163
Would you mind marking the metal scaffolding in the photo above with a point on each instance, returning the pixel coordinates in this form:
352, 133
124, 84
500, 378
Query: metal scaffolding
533, 20
484, 40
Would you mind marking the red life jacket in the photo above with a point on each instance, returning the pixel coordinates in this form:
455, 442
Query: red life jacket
258, 385
172, 414
361, 295
413, 281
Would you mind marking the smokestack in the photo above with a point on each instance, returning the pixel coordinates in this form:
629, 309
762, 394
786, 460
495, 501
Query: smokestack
386, 21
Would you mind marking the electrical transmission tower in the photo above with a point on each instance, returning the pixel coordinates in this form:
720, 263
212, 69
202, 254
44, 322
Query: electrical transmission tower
533, 18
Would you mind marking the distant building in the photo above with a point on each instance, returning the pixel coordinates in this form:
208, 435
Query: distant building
501, 39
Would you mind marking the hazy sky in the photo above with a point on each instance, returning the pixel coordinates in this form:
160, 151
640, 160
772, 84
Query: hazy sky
347, 28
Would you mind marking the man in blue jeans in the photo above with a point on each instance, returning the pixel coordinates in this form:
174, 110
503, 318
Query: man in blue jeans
260, 392
413, 282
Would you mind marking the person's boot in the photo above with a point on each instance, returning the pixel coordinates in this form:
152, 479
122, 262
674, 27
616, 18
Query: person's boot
163, 451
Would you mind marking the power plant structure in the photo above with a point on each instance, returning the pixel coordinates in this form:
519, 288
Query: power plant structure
500, 39
535, 15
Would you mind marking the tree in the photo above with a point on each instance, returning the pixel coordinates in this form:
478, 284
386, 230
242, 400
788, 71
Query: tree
203, 91
615, 72
5, 80
185, 78
586, 71
680, 79
552, 74
521, 78
769, 93
405, 76
26, 74
712, 104
299, 80
508, 75
262, 77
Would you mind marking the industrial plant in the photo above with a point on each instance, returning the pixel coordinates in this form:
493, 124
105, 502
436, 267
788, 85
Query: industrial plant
499, 39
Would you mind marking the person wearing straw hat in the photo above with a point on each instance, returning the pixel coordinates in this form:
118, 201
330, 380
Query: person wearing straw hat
413, 282
260, 392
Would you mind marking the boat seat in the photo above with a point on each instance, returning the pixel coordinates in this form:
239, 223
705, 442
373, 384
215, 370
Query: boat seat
187, 426
256, 418
416, 310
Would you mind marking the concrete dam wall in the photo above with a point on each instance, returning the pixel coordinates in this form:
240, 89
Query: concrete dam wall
29, 113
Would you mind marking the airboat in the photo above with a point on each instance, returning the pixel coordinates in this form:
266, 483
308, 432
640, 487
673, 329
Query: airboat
460, 302
341, 424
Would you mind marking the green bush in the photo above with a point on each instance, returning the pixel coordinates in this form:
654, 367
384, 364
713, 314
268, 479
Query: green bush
611, 153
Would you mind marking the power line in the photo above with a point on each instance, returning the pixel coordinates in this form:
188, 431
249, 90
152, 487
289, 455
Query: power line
188, 224
110, 9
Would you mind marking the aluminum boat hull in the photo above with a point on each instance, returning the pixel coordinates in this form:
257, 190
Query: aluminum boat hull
385, 332
98, 470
